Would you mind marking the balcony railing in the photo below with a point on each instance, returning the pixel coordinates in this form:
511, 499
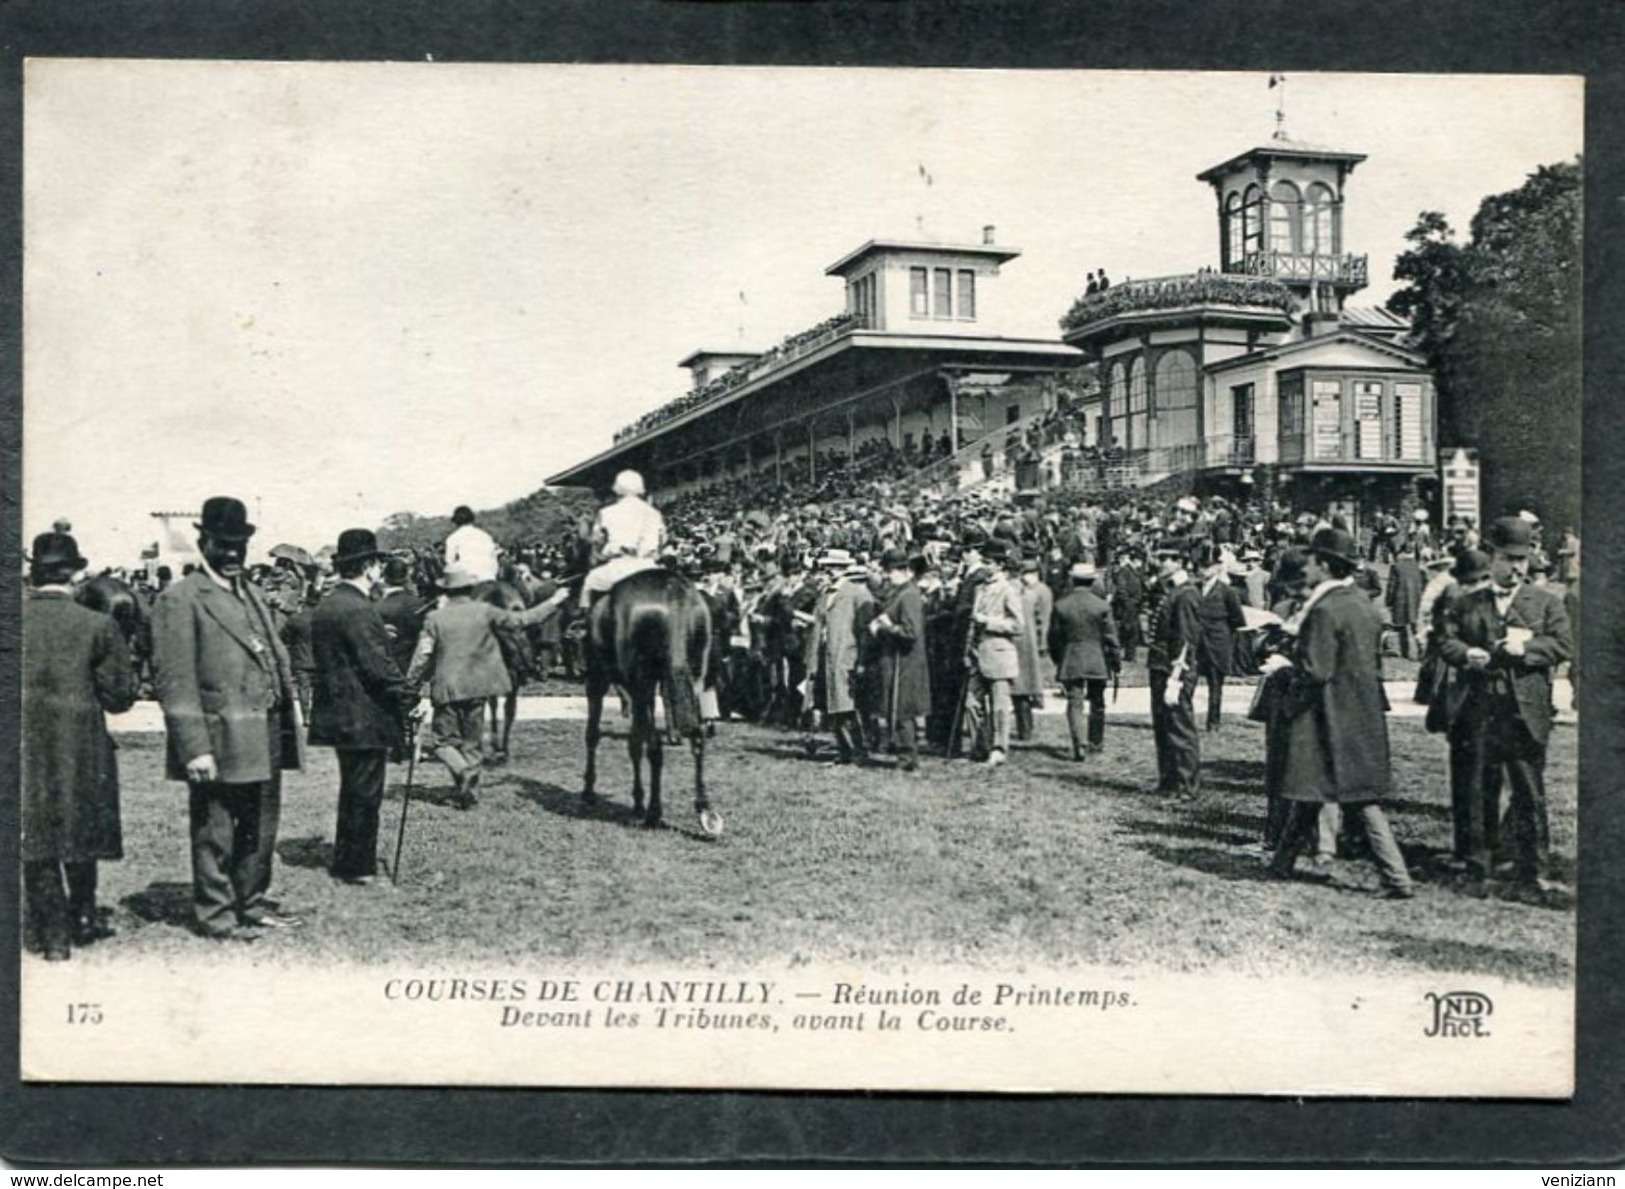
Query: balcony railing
1179, 292
1302, 267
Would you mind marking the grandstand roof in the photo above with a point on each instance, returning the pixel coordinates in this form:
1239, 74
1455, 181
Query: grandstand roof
694, 357
834, 361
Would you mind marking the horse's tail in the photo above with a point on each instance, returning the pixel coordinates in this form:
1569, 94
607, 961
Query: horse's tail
684, 667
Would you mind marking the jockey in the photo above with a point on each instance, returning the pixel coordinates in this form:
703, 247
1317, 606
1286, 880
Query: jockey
626, 537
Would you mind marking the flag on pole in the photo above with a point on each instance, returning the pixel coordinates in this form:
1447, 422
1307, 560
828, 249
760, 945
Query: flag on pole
1276, 80
926, 174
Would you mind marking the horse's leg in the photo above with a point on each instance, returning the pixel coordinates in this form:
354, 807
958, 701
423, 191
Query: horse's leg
641, 730
595, 715
656, 763
510, 711
701, 801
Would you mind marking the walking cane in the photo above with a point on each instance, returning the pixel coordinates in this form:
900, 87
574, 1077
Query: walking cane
406, 799
959, 717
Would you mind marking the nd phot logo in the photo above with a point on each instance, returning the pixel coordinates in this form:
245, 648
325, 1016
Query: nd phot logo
1460, 1013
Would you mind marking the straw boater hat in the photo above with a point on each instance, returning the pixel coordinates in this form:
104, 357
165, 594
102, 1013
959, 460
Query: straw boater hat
835, 559
458, 579
1084, 571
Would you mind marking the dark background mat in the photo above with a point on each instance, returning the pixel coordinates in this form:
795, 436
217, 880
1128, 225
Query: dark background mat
178, 1125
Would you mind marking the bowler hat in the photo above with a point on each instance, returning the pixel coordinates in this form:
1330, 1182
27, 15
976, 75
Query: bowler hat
356, 544
225, 518
991, 549
1029, 565
56, 551
1471, 565
1511, 535
895, 559
1335, 543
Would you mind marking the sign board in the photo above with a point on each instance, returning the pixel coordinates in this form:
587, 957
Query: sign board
1459, 472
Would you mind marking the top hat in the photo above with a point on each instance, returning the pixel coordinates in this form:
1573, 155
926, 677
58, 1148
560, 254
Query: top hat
895, 558
1511, 535
56, 551
1335, 543
1029, 565
225, 518
991, 549
356, 544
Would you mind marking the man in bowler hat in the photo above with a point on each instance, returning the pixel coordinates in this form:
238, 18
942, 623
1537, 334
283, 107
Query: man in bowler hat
1502, 643
1083, 642
233, 724
76, 665
361, 698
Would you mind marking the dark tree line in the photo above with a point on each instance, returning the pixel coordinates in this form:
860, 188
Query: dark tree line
1499, 321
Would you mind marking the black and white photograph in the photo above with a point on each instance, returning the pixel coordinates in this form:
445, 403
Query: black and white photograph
786, 577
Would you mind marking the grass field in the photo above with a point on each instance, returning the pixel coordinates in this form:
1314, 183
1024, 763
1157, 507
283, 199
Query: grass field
1042, 862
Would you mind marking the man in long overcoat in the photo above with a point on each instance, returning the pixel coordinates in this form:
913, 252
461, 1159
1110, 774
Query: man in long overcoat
1332, 714
1037, 605
1502, 644
905, 673
837, 648
361, 697
76, 665
1082, 640
1405, 600
233, 724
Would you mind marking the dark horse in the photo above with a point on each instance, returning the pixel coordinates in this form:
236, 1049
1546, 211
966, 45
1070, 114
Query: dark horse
111, 596
651, 634
518, 654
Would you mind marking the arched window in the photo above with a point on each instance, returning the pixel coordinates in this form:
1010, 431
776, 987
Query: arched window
1232, 222
1137, 406
1116, 408
1176, 399
1285, 218
1252, 228
1319, 220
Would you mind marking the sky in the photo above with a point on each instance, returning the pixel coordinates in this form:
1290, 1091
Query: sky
339, 291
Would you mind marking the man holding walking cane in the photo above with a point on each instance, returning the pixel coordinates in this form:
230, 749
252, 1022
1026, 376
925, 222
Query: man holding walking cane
360, 699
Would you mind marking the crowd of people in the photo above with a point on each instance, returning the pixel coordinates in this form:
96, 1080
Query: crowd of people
1207, 285
893, 619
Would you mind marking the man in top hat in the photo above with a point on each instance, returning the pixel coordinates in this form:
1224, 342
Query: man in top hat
627, 536
76, 666
233, 721
1083, 642
1171, 651
905, 674
998, 617
1332, 714
460, 653
361, 699
1037, 606
1504, 642
471, 548
1404, 598
402, 610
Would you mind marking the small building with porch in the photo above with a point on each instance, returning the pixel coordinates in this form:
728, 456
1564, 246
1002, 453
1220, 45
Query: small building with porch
1258, 377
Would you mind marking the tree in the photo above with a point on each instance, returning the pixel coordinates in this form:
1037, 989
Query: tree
1499, 322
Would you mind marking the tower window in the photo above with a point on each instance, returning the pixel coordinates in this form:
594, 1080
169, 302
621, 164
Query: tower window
967, 294
943, 295
1232, 226
1320, 220
919, 292
1252, 228
1286, 234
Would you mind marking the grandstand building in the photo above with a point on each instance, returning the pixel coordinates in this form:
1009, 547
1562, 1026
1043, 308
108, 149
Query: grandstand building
1257, 376
916, 360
